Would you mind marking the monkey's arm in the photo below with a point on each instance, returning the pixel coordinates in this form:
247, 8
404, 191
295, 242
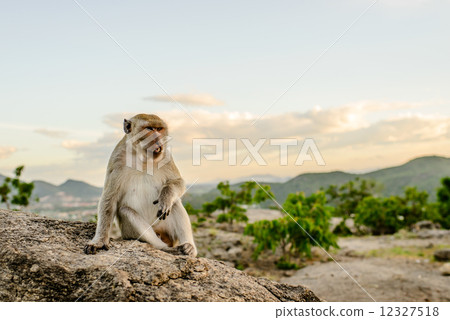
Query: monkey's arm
172, 190
106, 211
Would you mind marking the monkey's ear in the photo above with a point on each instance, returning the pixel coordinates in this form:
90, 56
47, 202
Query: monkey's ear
126, 126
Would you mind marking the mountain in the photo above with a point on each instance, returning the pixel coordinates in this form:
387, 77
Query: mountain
310, 183
71, 188
80, 189
425, 173
267, 178
43, 189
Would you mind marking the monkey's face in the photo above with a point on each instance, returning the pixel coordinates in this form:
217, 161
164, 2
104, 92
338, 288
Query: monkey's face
148, 134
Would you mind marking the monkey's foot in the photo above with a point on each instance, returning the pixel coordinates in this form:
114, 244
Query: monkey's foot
92, 248
185, 249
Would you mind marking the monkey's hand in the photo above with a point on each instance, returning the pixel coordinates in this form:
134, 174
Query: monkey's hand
165, 203
93, 246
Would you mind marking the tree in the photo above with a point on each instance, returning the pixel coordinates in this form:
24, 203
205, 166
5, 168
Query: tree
311, 213
443, 196
382, 216
194, 212
13, 191
346, 199
388, 215
230, 202
416, 207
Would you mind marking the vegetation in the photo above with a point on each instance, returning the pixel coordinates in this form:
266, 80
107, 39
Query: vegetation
417, 208
308, 219
307, 223
425, 173
194, 212
389, 215
13, 191
443, 195
346, 199
382, 216
231, 202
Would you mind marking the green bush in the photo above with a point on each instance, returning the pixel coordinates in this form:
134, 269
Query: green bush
194, 212
230, 202
13, 191
417, 208
444, 203
388, 215
382, 216
311, 213
346, 198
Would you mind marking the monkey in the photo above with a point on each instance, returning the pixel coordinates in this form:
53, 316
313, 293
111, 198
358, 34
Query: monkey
137, 199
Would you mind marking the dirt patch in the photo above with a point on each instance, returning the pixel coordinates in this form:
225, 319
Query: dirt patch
388, 268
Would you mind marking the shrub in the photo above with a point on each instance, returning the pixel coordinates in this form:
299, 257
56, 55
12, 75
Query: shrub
444, 203
230, 202
13, 191
346, 199
311, 213
417, 208
388, 215
194, 212
382, 216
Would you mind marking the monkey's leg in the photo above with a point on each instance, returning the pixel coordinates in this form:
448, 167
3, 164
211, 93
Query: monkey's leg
105, 217
178, 227
133, 226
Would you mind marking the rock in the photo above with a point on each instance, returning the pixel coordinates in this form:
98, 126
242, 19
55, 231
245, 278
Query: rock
221, 245
432, 233
42, 260
445, 269
442, 255
424, 225
349, 225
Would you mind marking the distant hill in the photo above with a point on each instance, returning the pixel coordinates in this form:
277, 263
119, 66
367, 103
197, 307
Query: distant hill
42, 189
80, 189
71, 188
425, 173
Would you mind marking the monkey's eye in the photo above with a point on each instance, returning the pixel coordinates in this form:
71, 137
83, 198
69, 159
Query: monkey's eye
159, 129
150, 128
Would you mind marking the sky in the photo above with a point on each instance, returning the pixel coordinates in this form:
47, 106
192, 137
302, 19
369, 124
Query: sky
369, 82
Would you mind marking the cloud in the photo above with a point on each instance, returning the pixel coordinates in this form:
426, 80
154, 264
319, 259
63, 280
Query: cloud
74, 144
342, 133
6, 152
96, 151
205, 100
337, 123
404, 129
52, 133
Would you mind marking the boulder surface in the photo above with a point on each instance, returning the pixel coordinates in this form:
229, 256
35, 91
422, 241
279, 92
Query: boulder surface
42, 260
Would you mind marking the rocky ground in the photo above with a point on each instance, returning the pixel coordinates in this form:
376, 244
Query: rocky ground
42, 260
398, 267
388, 268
